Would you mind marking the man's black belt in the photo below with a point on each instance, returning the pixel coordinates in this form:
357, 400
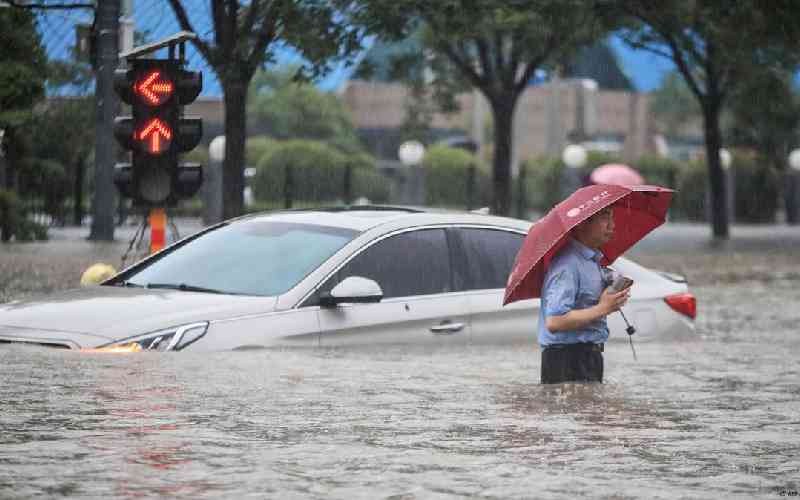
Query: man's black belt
577, 345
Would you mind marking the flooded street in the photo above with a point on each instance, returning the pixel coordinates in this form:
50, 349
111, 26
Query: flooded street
714, 417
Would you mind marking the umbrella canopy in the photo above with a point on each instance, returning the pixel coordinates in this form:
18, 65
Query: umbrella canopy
616, 173
637, 211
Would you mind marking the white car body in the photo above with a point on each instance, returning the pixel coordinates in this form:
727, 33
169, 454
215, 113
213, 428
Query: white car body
467, 313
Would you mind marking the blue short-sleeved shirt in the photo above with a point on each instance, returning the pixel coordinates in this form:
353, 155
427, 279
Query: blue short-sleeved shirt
574, 280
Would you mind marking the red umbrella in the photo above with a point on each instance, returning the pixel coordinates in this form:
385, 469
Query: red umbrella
637, 211
616, 173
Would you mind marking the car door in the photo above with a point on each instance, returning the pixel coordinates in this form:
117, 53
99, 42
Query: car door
482, 260
418, 306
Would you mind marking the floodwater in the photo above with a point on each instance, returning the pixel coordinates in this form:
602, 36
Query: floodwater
715, 417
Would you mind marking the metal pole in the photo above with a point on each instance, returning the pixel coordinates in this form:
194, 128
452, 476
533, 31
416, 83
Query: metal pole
107, 25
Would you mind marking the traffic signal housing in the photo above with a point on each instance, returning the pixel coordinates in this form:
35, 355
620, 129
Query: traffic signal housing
157, 132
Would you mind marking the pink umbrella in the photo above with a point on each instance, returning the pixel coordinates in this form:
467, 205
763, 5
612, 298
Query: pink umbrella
616, 173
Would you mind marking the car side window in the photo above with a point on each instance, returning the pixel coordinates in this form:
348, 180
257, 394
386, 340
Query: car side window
483, 257
407, 264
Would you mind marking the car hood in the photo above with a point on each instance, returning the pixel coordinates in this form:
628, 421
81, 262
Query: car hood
111, 313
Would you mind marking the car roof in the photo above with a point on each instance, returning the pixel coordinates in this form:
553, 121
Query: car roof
365, 217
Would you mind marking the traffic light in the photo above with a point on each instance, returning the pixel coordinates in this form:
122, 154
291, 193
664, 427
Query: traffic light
156, 134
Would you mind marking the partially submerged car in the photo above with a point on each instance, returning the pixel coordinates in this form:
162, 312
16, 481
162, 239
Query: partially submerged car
353, 275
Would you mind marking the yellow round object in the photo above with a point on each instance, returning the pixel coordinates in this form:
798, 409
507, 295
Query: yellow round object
97, 273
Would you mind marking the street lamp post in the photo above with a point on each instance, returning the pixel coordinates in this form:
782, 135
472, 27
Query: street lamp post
212, 184
410, 154
792, 188
574, 157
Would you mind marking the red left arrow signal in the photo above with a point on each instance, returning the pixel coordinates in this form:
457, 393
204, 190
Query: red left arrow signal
154, 89
157, 132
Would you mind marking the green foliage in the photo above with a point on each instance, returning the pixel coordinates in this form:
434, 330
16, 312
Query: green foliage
757, 190
691, 199
494, 46
765, 115
22, 66
256, 147
447, 174
287, 109
544, 175
317, 173
542, 182
674, 105
658, 171
14, 224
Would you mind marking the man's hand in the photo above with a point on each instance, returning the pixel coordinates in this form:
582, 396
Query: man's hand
611, 302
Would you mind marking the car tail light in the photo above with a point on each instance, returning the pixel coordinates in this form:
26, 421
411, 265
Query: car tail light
684, 303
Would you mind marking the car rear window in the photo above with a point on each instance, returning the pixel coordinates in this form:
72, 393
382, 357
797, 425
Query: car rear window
249, 257
484, 257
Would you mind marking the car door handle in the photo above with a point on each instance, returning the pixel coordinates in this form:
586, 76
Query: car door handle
447, 328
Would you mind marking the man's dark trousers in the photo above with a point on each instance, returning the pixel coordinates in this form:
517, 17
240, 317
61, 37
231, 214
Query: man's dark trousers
582, 362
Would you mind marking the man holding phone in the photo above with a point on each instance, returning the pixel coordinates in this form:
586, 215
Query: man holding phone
575, 301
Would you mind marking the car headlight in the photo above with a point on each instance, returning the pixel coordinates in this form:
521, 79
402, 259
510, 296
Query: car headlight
171, 339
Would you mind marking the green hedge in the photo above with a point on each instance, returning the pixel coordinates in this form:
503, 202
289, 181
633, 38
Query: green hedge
14, 224
447, 174
758, 189
544, 176
255, 148
689, 203
318, 173
756, 193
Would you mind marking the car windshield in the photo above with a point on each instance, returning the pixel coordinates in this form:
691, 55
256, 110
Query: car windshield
250, 257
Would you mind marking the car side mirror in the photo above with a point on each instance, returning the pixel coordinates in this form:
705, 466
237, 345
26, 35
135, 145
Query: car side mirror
354, 289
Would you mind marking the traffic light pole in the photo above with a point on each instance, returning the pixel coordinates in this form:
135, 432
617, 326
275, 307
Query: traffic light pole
107, 26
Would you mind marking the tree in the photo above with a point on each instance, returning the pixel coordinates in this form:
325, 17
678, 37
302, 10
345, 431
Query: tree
22, 76
765, 116
673, 104
246, 34
284, 108
495, 46
713, 45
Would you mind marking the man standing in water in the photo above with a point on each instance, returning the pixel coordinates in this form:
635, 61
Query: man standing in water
575, 303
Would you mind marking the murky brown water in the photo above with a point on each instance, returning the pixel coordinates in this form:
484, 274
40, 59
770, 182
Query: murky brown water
717, 417
712, 418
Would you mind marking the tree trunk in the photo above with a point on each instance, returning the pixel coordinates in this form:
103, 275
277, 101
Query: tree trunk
503, 115
717, 188
233, 166
77, 191
9, 183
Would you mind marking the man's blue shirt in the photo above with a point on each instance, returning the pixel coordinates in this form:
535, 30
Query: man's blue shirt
574, 280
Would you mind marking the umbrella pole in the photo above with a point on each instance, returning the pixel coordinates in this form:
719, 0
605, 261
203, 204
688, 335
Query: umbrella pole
630, 331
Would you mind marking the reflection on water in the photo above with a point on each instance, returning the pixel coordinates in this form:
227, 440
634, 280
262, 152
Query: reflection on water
713, 417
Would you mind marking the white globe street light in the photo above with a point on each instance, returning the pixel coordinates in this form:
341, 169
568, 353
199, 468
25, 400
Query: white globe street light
725, 158
216, 150
574, 156
794, 160
411, 153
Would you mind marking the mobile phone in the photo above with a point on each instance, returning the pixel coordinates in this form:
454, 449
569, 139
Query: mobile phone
621, 283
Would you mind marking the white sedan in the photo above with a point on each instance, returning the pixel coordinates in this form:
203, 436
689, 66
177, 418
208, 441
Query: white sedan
359, 275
